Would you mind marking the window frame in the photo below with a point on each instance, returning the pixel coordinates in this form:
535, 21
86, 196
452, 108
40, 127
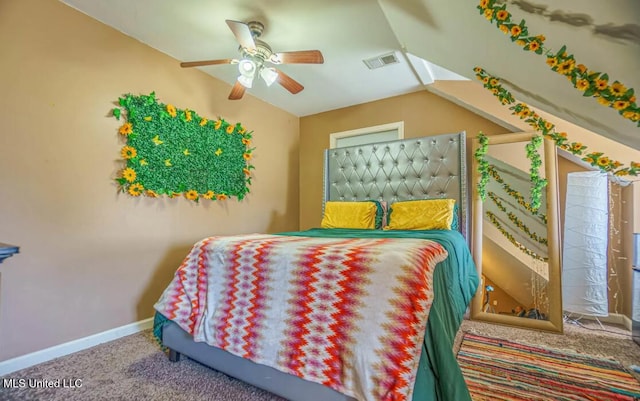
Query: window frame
398, 126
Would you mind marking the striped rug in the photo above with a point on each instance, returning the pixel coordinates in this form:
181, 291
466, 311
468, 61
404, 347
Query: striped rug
497, 369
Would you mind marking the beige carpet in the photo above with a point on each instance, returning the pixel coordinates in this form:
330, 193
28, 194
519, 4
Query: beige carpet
134, 368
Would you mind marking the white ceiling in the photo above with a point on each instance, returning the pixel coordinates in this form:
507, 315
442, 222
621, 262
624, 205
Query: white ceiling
449, 33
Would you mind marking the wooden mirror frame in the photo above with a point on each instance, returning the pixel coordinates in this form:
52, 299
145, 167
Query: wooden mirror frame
554, 288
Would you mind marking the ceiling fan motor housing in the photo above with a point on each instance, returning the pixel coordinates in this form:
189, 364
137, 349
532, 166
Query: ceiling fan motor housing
256, 28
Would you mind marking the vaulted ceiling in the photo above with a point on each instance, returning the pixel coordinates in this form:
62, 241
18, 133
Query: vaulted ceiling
433, 40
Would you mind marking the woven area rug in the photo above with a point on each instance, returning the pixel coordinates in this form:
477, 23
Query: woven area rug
497, 369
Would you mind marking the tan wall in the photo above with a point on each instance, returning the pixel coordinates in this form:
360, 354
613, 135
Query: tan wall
92, 259
423, 114
500, 301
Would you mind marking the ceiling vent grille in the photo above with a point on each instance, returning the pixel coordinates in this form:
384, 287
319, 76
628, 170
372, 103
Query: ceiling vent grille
381, 61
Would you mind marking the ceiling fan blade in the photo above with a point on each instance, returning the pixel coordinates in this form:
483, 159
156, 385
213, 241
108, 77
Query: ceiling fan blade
242, 33
298, 57
237, 91
207, 62
289, 83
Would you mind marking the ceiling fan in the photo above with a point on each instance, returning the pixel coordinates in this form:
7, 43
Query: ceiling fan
255, 57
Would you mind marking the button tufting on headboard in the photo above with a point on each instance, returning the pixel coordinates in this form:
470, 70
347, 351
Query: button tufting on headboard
406, 169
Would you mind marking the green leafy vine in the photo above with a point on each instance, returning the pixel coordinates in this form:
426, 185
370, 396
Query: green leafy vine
494, 220
515, 220
537, 183
483, 165
517, 196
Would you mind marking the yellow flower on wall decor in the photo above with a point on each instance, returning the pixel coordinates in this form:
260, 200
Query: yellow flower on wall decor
171, 110
191, 195
582, 85
552, 62
246, 171
603, 101
617, 89
173, 152
126, 129
247, 156
502, 15
129, 174
603, 161
221, 196
135, 189
620, 104
157, 141
128, 152
533, 46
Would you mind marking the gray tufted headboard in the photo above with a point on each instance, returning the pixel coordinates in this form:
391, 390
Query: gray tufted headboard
407, 169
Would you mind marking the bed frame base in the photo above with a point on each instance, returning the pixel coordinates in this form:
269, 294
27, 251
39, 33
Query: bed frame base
174, 356
274, 381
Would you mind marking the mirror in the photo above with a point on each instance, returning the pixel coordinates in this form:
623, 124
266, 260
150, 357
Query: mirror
516, 245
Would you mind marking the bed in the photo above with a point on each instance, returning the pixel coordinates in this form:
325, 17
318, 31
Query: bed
386, 303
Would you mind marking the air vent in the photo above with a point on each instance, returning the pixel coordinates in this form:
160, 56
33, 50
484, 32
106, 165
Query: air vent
381, 61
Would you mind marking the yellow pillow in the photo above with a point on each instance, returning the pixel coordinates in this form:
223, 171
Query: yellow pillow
427, 214
349, 215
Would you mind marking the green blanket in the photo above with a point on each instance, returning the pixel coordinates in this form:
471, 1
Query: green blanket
455, 283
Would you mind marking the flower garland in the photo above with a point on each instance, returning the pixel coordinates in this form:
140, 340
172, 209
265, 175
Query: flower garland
515, 194
522, 110
591, 83
494, 220
483, 165
515, 220
176, 152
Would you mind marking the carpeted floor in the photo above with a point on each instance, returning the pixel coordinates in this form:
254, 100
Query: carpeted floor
134, 368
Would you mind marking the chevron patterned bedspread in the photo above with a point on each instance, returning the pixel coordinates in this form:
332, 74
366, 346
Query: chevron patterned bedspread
349, 313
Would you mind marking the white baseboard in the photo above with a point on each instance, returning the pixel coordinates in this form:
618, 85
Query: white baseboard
47, 354
613, 318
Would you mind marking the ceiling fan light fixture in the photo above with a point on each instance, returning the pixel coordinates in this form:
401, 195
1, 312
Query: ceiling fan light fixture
247, 67
246, 81
269, 75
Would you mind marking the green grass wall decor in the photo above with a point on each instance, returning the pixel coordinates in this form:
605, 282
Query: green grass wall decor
172, 152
